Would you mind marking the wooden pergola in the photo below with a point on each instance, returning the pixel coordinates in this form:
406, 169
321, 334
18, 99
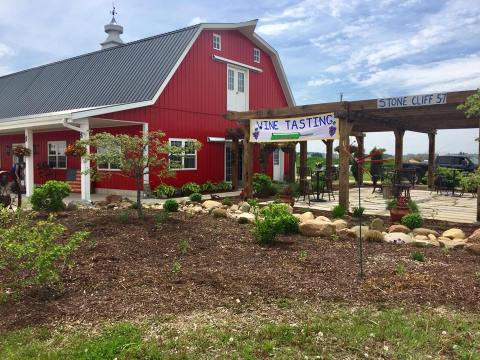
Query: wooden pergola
358, 117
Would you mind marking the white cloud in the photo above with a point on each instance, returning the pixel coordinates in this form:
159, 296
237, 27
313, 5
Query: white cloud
448, 75
197, 20
322, 81
280, 27
5, 50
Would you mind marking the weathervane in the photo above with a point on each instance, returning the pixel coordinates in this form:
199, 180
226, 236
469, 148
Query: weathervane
114, 11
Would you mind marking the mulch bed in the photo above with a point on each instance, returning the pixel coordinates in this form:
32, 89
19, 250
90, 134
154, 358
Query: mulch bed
128, 274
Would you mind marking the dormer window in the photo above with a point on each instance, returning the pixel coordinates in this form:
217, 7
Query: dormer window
256, 55
217, 42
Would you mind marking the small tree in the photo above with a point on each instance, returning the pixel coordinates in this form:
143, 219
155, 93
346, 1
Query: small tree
471, 107
128, 153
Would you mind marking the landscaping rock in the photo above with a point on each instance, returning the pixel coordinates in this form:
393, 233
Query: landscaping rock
398, 238
234, 207
356, 230
244, 207
340, 224
420, 237
317, 228
71, 206
306, 216
396, 228
425, 243
346, 234
377, 224
425, 232
373, 236
432, 237
323, 219
219, 213
452, 243
475, 237
211, 204
454, 234
473, 248
113, 199
246, 215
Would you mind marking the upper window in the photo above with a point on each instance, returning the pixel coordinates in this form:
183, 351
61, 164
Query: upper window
256, 55
241, 82
108, 165
217, 42
185, 159
231, 79
56, 154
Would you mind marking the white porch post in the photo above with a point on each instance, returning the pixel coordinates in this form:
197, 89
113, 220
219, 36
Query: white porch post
85, 164
29, 163
146, 176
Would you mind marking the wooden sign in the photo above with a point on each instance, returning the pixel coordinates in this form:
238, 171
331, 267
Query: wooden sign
414, 100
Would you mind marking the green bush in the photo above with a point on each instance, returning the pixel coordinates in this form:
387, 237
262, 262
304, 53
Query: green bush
412, 221
277, 219
357, 211
227, 201
263, 186
338, 212
190, 188
50, 196
418, 256
32, 252
223, 186
171, 205
195, 197
208, 187
163, 190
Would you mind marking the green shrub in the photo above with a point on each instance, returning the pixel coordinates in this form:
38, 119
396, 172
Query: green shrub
195, 197
253, 202
32, 252
277, 219
163, 190
373, 236
161, 217
170, 205
338, 212
50, 196
357, 211
412, 221
123, 217
223, 186
190, 188
208, 187
418, 256
263, 186
227, 201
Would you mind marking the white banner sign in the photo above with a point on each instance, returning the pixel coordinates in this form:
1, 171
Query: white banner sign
314, 127
415, 100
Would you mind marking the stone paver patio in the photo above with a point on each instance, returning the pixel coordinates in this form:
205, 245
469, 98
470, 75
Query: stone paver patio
432, 206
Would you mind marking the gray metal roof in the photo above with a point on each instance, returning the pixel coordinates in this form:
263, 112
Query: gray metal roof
129, 73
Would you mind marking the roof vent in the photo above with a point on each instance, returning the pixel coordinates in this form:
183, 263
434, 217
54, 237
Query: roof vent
114, 31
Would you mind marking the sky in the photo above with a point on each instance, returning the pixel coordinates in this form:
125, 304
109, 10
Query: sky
359, 48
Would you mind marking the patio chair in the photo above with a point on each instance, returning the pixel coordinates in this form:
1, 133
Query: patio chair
328, 187
403, 181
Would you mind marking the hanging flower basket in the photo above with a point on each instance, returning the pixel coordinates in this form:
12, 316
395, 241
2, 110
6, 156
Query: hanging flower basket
75, 150
20, 151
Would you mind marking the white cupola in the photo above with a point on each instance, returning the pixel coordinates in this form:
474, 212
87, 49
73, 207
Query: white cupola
114, 31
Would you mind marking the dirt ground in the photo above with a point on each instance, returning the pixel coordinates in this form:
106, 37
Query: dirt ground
131, 269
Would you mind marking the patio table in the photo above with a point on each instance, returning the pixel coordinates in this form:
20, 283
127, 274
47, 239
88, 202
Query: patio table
318, 172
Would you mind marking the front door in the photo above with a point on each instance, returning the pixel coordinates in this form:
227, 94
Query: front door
237, 89
229, 162
278, 165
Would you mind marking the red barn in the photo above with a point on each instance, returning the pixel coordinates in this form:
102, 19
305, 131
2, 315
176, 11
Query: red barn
181, 82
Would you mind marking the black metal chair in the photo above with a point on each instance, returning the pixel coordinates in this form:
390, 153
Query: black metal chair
403, 181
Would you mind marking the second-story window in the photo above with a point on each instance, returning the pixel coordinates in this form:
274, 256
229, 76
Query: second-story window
256, 55
217, 42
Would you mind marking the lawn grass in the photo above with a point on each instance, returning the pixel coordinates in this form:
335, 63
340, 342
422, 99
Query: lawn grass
285, 330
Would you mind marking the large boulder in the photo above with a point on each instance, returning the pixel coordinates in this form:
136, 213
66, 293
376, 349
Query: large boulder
473, 248
244, 207
219, 213
454, 233
211, 204
308, 215
322, 219
234, 207
425, 243
448, 243
398, 238
340, 224
396, 228
377, 224
194, 210
317, 228
356, 230
346, 234
474, 237
425, 232
246, 217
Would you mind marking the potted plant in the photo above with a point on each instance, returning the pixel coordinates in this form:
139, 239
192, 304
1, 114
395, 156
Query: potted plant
400, 207
75, 150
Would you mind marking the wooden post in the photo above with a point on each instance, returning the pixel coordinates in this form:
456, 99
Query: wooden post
291, 169
360, 154
431, 159
303, 165
329, 158
344, 152
247, 163
234, 154
398, 147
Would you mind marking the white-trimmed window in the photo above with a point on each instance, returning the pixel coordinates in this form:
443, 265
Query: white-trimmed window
231, 79
56, 154
185, 160
256, 55
217, 42
107, 166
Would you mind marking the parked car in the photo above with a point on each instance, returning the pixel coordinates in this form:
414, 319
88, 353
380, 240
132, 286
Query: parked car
459, 162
